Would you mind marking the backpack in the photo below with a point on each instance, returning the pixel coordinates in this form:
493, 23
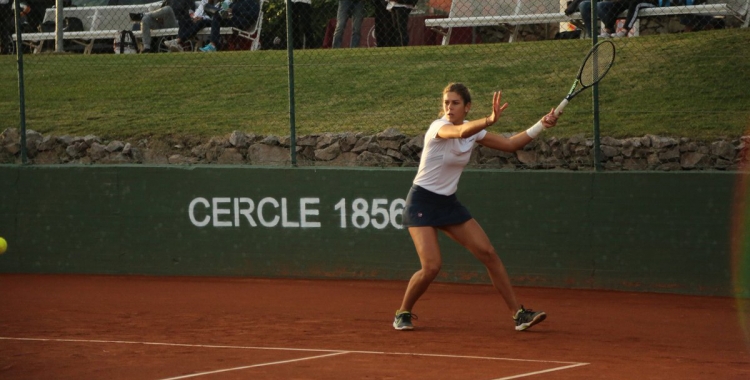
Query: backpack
125, 42
568, 35
46, 27
72, 24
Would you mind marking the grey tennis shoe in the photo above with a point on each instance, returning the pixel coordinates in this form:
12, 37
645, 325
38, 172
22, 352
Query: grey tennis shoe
526, 318
403, 320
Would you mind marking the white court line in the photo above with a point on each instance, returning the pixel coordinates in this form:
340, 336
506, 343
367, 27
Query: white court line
543, 371
332, 353
168, 344
287, 349
252, 366
465, 357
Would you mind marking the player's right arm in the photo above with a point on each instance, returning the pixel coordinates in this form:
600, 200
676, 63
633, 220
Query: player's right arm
519, 140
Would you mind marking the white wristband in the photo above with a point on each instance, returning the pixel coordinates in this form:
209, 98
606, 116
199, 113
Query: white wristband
535, 129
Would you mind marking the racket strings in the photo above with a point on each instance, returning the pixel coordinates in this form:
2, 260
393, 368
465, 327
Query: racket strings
597, 64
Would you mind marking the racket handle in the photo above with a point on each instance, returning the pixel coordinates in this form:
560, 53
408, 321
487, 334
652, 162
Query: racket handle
560, 108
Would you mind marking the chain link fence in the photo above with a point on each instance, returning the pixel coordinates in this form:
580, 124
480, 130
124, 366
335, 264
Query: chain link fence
128, 81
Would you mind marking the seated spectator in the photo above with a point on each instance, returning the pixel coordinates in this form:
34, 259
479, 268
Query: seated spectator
609, 10
241, 14
157, 19
197, 20
584, 6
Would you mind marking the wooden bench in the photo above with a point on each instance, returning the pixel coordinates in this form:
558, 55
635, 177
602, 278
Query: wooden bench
466, 13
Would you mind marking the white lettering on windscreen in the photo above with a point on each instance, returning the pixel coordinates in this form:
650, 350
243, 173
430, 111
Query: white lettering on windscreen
269, 212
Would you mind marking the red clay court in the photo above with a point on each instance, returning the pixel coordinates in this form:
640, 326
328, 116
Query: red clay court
136, 327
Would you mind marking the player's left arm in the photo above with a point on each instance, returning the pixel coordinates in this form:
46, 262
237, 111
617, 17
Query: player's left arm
465, 130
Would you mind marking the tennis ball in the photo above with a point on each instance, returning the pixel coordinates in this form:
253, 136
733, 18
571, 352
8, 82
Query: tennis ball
3, 245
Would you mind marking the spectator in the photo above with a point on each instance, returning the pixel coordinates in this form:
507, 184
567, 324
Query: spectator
163, 17
584, 6
383, 24
355, 8
241, 14
32, 15
400, 10
302, 21
196, 21
609, 10
6, 26
573, 6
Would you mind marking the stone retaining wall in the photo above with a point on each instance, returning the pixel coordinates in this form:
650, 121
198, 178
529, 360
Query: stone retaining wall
389, 148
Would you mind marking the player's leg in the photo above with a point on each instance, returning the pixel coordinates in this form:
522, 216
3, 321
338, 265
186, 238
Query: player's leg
471, 235
426, 242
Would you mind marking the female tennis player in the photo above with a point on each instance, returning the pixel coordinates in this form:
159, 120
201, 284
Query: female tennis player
432, 204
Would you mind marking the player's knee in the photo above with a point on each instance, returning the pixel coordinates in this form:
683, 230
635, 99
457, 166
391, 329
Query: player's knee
431, 269
486, 255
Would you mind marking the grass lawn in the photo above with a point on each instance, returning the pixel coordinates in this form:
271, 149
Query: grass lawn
694, 85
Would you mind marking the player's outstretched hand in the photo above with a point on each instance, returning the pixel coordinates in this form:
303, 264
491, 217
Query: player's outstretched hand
550, 120
497, 109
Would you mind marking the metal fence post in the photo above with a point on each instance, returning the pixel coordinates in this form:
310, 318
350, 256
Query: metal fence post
595, 90
21, 91
290, 61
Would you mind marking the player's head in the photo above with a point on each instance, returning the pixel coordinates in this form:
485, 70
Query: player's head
456, 102
460, 89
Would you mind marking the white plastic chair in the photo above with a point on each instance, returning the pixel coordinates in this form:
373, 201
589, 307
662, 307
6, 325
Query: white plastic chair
253, 34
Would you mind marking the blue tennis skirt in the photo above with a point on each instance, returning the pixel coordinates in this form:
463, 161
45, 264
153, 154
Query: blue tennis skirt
425, 208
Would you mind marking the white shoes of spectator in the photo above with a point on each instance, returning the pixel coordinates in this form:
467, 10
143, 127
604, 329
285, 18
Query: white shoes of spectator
173, 45
620, 34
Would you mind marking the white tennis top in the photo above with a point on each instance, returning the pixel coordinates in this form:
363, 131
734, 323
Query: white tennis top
443, 160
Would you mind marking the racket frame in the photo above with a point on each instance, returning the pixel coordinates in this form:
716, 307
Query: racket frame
572, 93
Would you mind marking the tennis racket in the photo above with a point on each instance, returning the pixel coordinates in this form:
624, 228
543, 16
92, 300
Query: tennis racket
595, 66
